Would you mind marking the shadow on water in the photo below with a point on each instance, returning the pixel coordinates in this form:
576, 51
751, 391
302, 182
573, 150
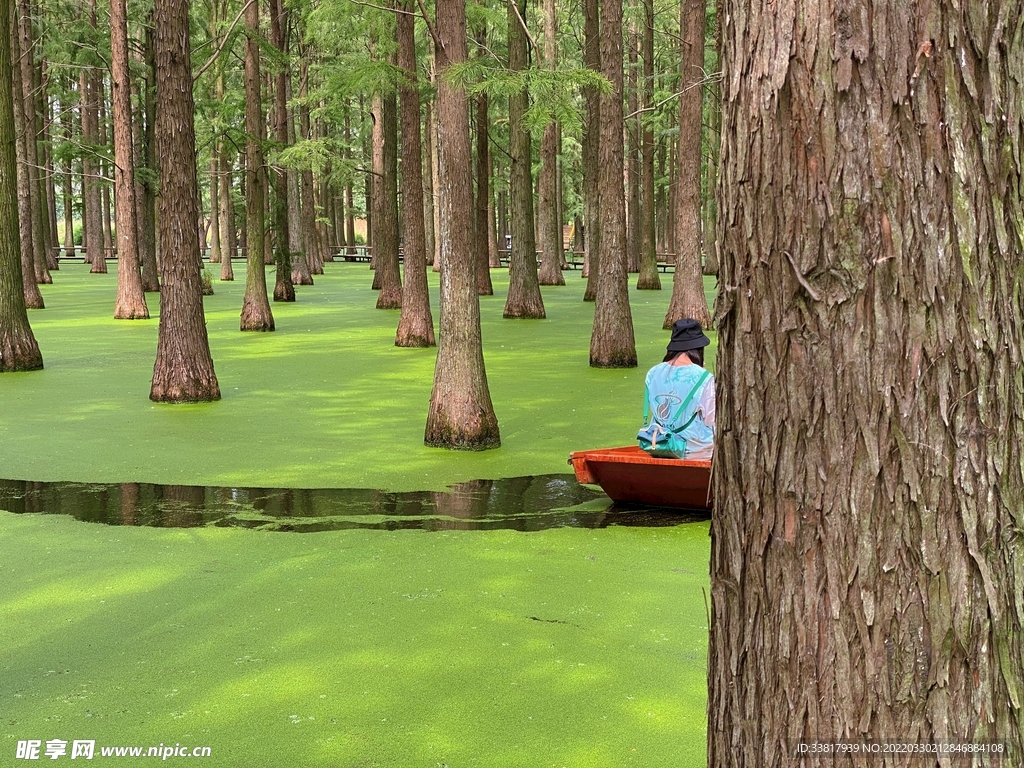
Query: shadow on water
517, 503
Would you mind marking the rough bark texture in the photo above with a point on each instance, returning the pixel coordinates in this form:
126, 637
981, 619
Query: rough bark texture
18, 348
867, 560
547, 199
131, 300
612, 344
416, 326
93, 198
313, 250
184, 368
687, 284
648, 279
428, 182
461, 415
632, 126
256, 314
29, 78
524, 299
591, 147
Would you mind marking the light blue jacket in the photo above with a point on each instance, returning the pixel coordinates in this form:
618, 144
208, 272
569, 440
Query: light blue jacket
667, 387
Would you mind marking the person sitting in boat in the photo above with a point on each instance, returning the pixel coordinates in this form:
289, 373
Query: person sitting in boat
679, 403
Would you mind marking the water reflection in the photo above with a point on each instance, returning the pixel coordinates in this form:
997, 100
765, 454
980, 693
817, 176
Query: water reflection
518, 503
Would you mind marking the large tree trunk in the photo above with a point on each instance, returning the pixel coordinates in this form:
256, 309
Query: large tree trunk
710, 208
184, 368
633, 236
428, 182
612, 343
648, 279
31, 295
524, 299
591, 147
687, 284
131, 300
18, 348
547, 201
256, 314
313, 251
461, 415
32, 130
283, 288
416, 326
866, 549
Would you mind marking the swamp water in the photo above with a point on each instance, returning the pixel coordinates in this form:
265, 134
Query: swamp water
518, 503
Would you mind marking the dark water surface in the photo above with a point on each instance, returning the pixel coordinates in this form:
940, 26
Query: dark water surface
517, 503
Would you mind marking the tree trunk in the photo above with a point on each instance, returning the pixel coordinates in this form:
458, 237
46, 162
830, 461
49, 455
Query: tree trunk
612, 344
18, 348
310, 235
632, 129
591, 147
131, 300
283, 288
147, 201
483, 185
547, 201
215, 228
184, 368
461, 415
687, 284
385, 219
416, 326
648, 279
524, 299
256, 314
866, 549
428, 182
710, 209
31, 296
227, 217
35, 187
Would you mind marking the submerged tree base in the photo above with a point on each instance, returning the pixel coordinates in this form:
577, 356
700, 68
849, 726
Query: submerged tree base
190, 391
20, 354
485, 438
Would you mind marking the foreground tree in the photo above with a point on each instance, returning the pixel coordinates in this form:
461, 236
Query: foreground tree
416, 326
612, 344
184, 368
687, 284
18, 348
866, 574
131, 300
461, 414
283, 288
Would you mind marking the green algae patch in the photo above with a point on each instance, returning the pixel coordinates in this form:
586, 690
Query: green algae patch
326, 401
565, 647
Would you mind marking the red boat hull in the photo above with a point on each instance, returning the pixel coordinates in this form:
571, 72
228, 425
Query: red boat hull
629, 475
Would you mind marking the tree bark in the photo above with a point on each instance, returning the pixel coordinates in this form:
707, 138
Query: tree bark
461, 415
18, 348
632, 130
866, 549
184, 367
131, 300
710, 208
416, 326
428, 182
612, 344
385, 220
35, 186
31, 296
524, 298
147, 200
687, 283
314, 251
228, 234
256, 314
547, 200
483, 183
283, 288
590, 150
648, 279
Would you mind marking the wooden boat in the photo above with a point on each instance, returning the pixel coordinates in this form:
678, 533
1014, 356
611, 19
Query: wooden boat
628, 475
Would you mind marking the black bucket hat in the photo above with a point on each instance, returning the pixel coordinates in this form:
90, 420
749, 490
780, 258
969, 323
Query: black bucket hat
687, 334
